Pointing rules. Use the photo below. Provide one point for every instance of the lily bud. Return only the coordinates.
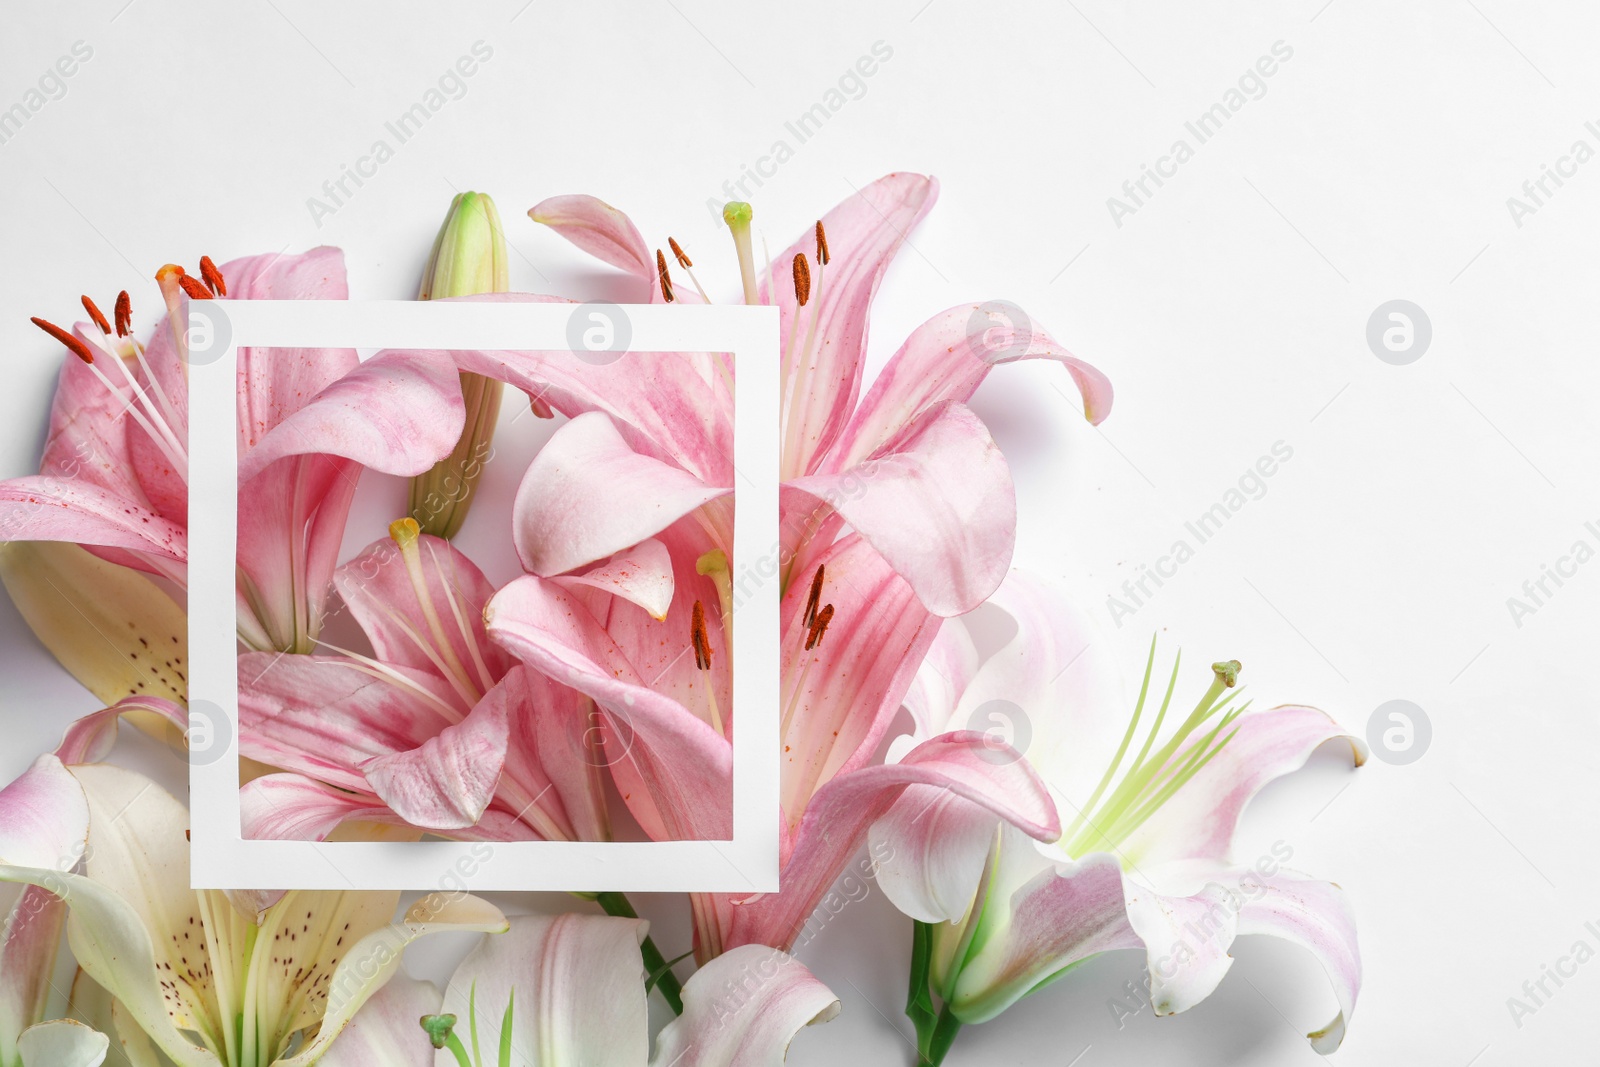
(468, 258)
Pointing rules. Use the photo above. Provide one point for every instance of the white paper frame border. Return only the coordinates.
(222, 859)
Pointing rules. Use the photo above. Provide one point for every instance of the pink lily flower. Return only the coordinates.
(438, 730)
(1146, 862)
(570, 989)
(897, 509)
(44, 824)
(114, 476)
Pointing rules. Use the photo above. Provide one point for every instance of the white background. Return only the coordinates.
(1230, 310)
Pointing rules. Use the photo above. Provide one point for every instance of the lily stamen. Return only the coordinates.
(1153, 779)
(666, 279)
(822, 244)
(813, 598)
(124, 314)
(802, 279)
(406, 534)
(702, 659)
(688, 267)
(94, 313)
(819, 627)
(213, 276)
(149, 419)
(195, 288)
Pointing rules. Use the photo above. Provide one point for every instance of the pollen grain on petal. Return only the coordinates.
(77, 347)
(94, 313)
(802, 279)
(822, 244)
(213, 276)
(666, 279)
(677, 250)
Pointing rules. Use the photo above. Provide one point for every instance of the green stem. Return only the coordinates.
(654, 961)
(932, 1052)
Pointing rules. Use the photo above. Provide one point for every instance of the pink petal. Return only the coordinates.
(1060, 917)
(394, 413)
(1316, 916)
(933, 845)
(277, 382)
(1198, 821)
(292, 517)
(90, 738)
(674, 406)
(838, 817)
(951, 662)
(659, 649)
(641, 574)
(599, 229)
(778, 997)
(673, 770)
(326, 716)
(377, 589)
(293, 807)
(574, 984)
(89, 427)
(446, 782)
(44, 823)
(937, 502)
(947, 358)
(1053, 690)
(864, 233)
(841, 696)
(587, 495)
(552, 775)
(39, 508)
(44, 817)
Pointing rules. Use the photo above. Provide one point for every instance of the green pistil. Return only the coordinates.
(1153, 778)
(737, 215)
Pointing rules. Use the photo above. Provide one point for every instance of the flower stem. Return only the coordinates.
(936, 1031)
(937, 1047)
(654, 962)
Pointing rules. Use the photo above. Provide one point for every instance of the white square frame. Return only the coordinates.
(221, 858)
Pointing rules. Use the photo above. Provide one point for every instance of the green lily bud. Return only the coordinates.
(468, 258)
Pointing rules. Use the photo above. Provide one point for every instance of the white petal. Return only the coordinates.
(575, 985)
(62, 1043)
(387, 1030)
(742, 1009)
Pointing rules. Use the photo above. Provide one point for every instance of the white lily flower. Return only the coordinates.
(570, 989)
(1144, 861)
(186, 971)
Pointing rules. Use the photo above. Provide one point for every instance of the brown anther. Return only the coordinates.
(94, 313)
(802, 279)
(213, 276)
(540, 407)
(666, 280)
(195, 289)
(819, 626)
(822, 244)
(702, 644)
(124, 314)
(683, 258)
(78, 348)
(813, 598)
